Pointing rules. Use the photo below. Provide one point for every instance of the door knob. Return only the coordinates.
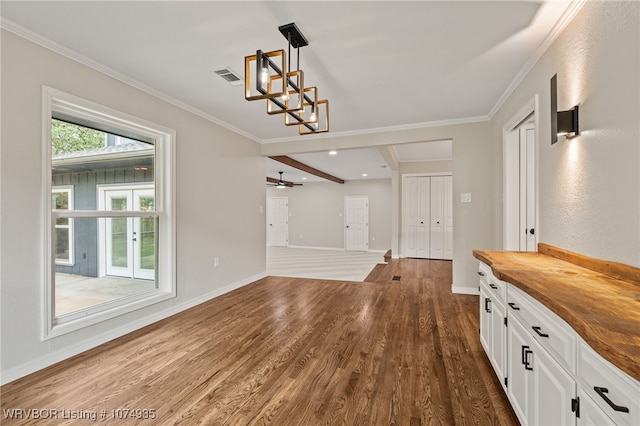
(532, 231)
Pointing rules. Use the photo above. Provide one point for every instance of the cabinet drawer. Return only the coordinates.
(496, 287)
(546, 327)
(614, 392)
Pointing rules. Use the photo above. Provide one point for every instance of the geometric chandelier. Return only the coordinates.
(283, 88)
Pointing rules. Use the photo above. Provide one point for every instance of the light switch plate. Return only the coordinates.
(465, 197)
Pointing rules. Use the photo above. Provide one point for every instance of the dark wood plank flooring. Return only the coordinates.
(290, 351)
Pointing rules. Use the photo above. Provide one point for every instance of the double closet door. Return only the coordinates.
(427, 217)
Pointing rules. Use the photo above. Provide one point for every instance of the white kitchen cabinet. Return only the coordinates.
(617, 396)
(540, 390)
(518, 388)
(493, 330)
(590, 413)
(553, 376)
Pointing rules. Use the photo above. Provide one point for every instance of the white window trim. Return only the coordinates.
(68, 189)
(55, 100)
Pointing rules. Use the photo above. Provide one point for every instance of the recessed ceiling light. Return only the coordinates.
(364, 175)
(333, 152)
(304, 178)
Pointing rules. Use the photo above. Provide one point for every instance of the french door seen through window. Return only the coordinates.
(129, 243)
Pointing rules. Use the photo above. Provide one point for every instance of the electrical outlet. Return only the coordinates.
(216, 262)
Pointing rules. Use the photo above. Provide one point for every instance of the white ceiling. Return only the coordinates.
(381, 64)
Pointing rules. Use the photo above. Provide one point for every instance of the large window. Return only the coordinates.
(109, 240)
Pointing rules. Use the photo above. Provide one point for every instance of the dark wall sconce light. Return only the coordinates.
(562, 122)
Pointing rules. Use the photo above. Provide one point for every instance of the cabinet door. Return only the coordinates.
(518, 351)
(498, 339)
(553, 390)
(485, 320)
(590, 413)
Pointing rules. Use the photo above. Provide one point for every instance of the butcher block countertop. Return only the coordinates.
(600, 300)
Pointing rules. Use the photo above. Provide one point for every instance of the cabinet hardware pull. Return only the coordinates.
(527, 366)
(493, 286)
(525, 357)
(537, 330)
(601, 391)
(513, 306)
(575, 406)
(481, 273)
(486, 305)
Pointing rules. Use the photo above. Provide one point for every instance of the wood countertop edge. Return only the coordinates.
(619, 358)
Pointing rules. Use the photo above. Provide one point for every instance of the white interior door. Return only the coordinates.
(410, 217)
(519, 189)
(448, 217)
(278, 221)
(129, 243)
(416, 200)
(356, 223)
(437, 218)
(527, 133)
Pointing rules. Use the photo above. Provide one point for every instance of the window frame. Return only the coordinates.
(69, 190)
(56, 101)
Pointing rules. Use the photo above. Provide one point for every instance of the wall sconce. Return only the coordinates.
(562, 122)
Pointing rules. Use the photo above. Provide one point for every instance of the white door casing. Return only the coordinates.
(356, 216)
(278, 221)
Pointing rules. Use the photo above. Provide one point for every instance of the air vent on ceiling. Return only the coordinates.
(229, 75)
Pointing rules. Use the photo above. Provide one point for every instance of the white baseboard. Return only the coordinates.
(317, 248)
(333, 248)
(465, 290)
(62, 354)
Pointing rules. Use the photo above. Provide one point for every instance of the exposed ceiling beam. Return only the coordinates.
(301, 166)
(276, 181)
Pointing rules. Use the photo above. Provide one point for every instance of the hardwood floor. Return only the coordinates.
(290, 351)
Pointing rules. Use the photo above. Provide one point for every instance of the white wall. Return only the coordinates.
(316, 212)
(212, 219)
(440, 166)
(589, 186)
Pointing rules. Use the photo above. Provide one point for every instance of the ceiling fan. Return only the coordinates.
(281, 183)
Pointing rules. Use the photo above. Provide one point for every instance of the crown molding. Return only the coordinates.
(566, 18)
(51, 45)
(424, 125)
